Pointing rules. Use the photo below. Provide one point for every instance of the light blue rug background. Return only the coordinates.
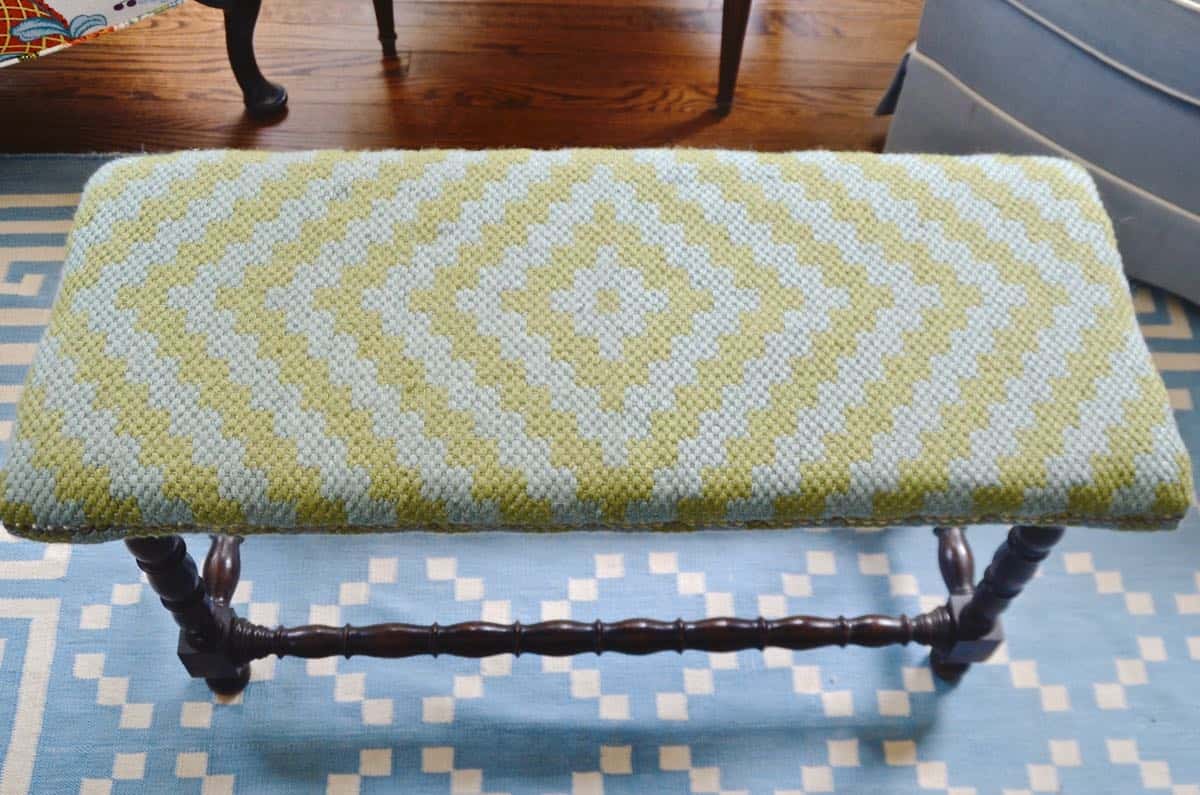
(1096, 691)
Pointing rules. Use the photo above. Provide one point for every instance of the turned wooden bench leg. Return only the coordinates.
(204, 617)
(217, 645)
(222, 569)
(976, 611)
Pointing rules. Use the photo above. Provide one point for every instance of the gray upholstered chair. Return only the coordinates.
(1114, 84)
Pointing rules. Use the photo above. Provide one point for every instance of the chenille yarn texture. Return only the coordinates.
(343, 341)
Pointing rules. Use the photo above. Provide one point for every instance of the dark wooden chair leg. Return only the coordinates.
(976, 613)
(735, 17)
(385, 20)
(204, 623)
(262, 97)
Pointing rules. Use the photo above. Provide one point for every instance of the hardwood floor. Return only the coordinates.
(472, 73)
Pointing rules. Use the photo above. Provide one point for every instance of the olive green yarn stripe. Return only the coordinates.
(107, 185)
(1108, 333)
(504, 486)
(54, 451)
(1170, 495)
(97, 256)
(268, 450)
(612, 381)
(838, 343)
(929, 472)
(1119, 325)
(1051, 417)
(853, 443)
(1126, 443)
(1085, 198)
(63, 456)
(735, 350)
(276, 456)
(33, 421)
(492, 483)
(734, 480)
(129, 401)
(17, 515)
(719, 481)
(297, 367)
(172, 454)
(91, 485)
(1053, 176)
(960, 419)
(189, 349)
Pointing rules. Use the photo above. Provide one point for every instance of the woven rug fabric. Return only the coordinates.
(398, 340)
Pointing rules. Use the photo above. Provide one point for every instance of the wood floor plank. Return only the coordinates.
(473, 73)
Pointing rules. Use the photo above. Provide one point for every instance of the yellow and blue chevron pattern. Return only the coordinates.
(334, 341)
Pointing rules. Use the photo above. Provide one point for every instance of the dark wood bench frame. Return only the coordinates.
(218, 645)
(264, 98)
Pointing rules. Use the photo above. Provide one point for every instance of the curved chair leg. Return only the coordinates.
(262, 97)
(385, 20)
(735, 17)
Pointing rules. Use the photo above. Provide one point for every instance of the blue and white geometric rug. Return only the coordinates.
(1096, 691)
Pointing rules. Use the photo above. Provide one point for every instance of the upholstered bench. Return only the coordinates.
(337, 342)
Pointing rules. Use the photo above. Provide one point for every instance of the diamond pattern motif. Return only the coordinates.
(755, 732)
(333, 341)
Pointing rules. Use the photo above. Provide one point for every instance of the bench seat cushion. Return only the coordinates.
(335, 341)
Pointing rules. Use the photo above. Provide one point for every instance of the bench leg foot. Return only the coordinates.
(946, 671)
(231, 686)
(261, 96)
(976, 611)
(204, 620)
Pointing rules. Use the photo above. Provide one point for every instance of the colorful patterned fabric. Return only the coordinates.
(30, 28)
(393, 340)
